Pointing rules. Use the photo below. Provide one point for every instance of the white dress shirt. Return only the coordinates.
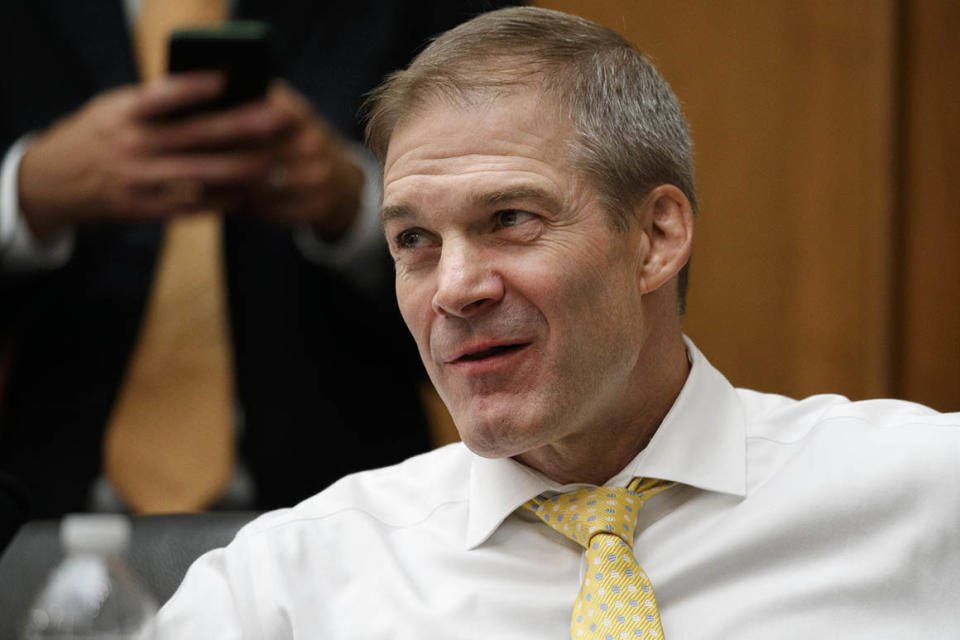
(820, 518)
(19, 248)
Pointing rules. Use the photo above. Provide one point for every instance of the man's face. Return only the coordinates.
(524, 303)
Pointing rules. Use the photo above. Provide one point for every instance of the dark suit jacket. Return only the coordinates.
(13, 510)
(325, 373)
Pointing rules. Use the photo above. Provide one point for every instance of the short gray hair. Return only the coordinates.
(630, 135)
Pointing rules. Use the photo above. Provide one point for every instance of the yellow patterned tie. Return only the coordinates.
(616, 598)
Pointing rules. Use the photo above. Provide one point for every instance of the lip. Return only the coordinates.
(502, 353)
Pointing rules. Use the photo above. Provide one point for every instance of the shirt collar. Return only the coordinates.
(701, 442)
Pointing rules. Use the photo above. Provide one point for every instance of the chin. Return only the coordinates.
(497, 436)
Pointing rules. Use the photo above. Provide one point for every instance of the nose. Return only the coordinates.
(466, 283)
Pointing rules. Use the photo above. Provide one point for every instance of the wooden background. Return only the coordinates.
(828, 159)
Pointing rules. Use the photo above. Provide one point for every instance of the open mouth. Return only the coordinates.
(489, 353)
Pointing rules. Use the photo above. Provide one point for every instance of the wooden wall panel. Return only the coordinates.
(929, 345)
(792, 110)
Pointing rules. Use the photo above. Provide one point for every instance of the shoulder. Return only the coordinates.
(299, 562)
(781, 418)
(880, 444)
(397, 496)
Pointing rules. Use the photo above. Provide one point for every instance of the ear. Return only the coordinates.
(667, 219)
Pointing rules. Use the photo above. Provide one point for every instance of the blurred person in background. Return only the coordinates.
(325, 377)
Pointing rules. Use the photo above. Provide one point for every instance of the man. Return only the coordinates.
(539, 206)
(313, 329)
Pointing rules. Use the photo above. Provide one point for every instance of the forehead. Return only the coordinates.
(519, 130)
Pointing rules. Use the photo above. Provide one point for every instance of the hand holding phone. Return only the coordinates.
(125, 153)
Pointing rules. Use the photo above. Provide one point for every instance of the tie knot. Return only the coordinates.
(581, 514)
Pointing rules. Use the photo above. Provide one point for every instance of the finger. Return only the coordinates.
(157, 201)
(209, 169)
(289, 100)
(302, 195)
(255, 123)
(294, 181)
(172, 93)
(185, 197)
(308, 137)
(331, 174)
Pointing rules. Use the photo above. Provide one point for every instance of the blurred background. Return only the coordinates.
(827, 141)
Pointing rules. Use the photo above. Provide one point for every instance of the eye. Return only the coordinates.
(512, 218)
(411, 239)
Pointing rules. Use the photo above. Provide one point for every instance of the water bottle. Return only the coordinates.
(92, 594)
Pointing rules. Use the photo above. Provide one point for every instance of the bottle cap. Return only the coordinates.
(95, 533)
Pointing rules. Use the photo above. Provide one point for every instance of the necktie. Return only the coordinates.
(169, 443)
(616, 598)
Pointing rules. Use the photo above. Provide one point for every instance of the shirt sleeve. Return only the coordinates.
(213, 601)
(20, 250)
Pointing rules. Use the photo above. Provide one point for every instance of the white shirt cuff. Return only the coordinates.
(361, 244)
(20, 250)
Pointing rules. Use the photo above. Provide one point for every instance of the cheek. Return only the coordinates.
(579, 288)
(415, 303)
(596, 307)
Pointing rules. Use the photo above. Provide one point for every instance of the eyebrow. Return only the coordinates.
(395, 211)
(495, 198)
(512, 194)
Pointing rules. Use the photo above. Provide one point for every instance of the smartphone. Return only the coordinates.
(241, 50)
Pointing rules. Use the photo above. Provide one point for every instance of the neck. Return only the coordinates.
(595, 454)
